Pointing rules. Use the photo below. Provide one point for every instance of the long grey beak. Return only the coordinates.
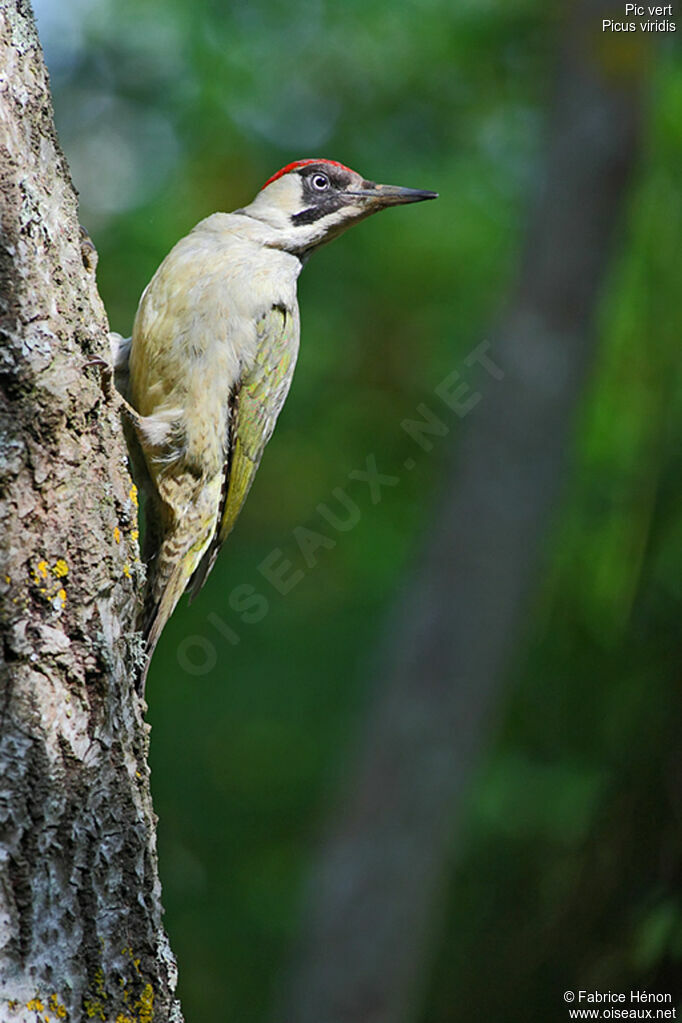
(393, 195)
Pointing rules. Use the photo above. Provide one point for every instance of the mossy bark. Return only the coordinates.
(80, 910)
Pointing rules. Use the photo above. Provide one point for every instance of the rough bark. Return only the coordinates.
(373, 902)
(80, 913)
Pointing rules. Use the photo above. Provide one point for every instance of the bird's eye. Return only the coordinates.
(320, 182)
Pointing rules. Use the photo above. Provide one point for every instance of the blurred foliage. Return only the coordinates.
(570, 873)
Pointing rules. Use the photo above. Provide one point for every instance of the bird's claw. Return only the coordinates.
(97, 360)
(106, 374)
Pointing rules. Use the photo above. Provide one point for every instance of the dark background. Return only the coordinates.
(567, 864)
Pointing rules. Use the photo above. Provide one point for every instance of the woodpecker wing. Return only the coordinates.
(256, 402)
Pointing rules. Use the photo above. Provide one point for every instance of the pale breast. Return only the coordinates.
(196, 335)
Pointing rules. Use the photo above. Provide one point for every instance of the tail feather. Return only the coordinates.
(172, 566)
(159, 606)
(163, 591)
(202, 571)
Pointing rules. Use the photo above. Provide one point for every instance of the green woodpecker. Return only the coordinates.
(210, 362)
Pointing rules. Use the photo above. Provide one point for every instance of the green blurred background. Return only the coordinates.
(570, 863)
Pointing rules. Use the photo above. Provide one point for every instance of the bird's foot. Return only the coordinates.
(111, 393)
(106, 372)
(88, 251)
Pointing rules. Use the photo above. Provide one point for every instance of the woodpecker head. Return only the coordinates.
(309, 202)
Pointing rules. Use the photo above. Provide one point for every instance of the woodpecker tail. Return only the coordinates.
(161, 597)
(172, 561)
(167, 577)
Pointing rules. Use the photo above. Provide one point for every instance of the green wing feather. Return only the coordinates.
(257, 402)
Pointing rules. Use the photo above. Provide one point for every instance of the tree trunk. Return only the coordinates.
(80, 912)
(373, 904)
